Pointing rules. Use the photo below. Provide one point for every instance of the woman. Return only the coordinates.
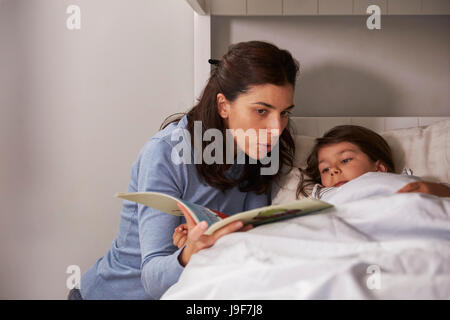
(251, 87)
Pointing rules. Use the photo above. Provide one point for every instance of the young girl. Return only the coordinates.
(347, 152)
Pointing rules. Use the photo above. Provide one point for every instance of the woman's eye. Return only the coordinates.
(286, 114)
(346, 160)
(261, 111)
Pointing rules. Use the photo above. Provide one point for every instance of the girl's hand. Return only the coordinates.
(436, 189)
(196, 240)
(180, 235)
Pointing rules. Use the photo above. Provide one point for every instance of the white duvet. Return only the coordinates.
(373, 244)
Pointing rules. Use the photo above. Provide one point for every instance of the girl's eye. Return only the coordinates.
(325, 170)
(346, 160)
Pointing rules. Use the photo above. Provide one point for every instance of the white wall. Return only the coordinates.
(75, 109)
(348, 70)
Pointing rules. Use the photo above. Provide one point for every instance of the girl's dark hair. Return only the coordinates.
(246, 64)
(369, 142)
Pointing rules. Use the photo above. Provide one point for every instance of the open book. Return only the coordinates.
(216, 219)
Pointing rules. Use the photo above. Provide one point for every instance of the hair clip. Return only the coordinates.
(213, 61)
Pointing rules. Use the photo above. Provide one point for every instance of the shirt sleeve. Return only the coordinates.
(160, 267)
(315, 193)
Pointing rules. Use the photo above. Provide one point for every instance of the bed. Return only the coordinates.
(372, 244)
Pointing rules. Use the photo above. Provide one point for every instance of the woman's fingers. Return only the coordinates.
(246, 228)
(176, 237)
(181, 241)
(196, 240)
(182, 228)
(229, 228)
(196, 232)
(179, 235)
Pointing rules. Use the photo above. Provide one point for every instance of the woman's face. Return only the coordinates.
(266, 107)
(344, 161)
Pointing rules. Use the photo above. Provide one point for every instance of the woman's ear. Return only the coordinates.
(380, 166)
(223, 107)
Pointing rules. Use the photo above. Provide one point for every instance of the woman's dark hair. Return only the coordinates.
(369, 142)
(246, 64)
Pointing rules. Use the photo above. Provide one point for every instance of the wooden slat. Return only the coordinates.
(300, 7)
(317, 126)
(264, 7)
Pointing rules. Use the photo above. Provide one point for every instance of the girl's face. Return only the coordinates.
(344, 161)
(265, 106)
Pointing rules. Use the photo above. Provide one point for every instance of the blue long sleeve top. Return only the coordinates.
(142, 262)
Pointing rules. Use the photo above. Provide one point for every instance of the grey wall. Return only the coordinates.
(348, 70)
(75, 109)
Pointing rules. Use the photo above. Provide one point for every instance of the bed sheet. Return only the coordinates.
(373, 244)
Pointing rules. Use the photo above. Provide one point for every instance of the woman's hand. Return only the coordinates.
(196, 240)
(436, 189)
(180, 235)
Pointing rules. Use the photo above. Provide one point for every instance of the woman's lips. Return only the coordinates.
(340, 183)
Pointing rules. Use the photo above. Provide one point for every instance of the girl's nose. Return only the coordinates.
(335, 171)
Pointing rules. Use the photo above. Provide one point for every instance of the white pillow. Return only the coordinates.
(284, 191)
(426, 150)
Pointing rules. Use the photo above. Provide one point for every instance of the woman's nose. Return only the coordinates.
(275, 124)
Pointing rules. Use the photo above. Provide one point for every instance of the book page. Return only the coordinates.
(168, 204)
(155, 200)
(273, 213)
